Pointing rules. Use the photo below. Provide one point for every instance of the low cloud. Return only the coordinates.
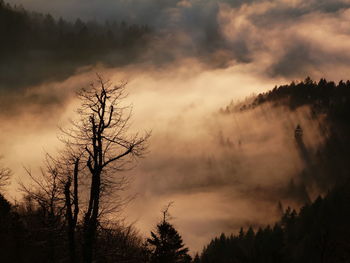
(276, 40)
(222, 171)
(235, 167)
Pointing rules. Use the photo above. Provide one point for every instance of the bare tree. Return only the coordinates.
(45, 192)
(80, 183)
(101, 135)
(71, 201)
(51, 190)
(5, 175)
(45, 189)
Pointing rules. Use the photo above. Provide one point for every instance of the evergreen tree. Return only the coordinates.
(5, 206)
(196, 259)
(167, 245)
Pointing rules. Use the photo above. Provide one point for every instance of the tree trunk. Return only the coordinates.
(72, 219)
(89, 234)
(91, 218)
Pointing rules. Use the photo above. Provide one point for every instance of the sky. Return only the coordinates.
(288, 38)
(221, 171)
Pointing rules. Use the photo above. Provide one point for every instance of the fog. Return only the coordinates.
(222, 171)
(279, 38)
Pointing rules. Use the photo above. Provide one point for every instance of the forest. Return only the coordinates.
(318, 232)
(59, 47)
(67, 210)
(46, 226)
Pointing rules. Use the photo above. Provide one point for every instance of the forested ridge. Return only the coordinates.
(324, 97)
(34, 229)
(52, 224)
(319, 231)
(271, 172)
(42, 47)
(329, 104)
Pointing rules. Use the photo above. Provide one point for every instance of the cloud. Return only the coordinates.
(277, 38)
(240, 164)
(171, 102)
(255, 24)
(222, 171)
(291, 40)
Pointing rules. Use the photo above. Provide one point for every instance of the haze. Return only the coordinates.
(206, 54)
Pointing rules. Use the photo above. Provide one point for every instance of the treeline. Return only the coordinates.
(30, 232)
(68, 209)
(329, 104)
(323, 96)
(320, 232)
(24, 31)
(40, 46)
(53, 222)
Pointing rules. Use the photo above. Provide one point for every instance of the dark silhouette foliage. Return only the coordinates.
(329, 104)
(27, 235)
(35, 229)
(318, 233)
(327, 100)
(11, 239)
(44, 48)
(324, 97)
(167, 245)
(196, 259)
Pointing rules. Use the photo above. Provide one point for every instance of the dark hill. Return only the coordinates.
(36, 47)
(320, 231)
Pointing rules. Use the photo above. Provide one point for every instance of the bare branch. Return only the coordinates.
(101, 135)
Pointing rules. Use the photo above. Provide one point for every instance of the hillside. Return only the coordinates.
(329, 104)
(319, 232)
(41, 47)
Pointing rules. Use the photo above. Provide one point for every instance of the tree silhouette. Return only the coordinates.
(167, 245)
(81, 184)
(100, 137)
(5, 175)
(319, 232)
(196, 259)
(43, 47)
